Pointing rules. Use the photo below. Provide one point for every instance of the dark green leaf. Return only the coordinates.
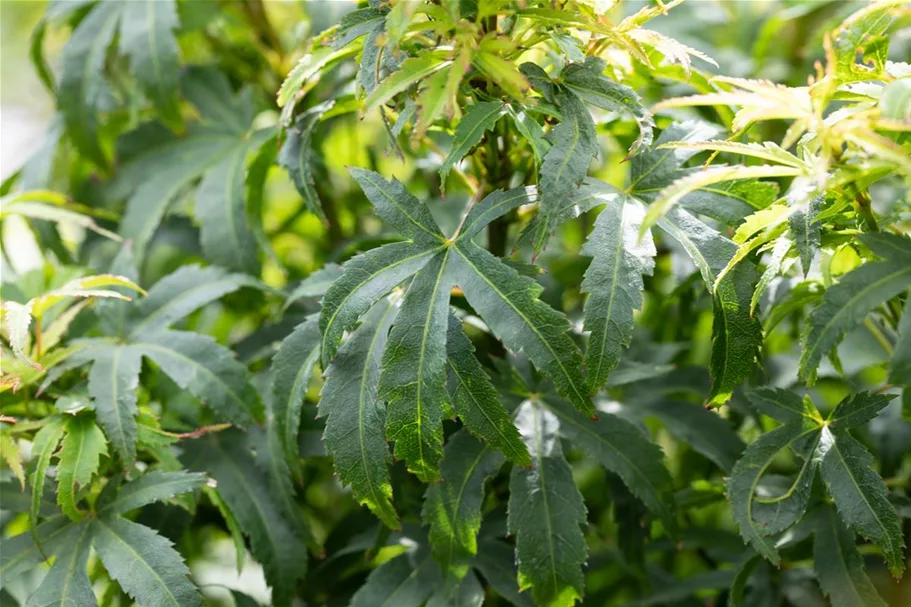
(144, 563)
(839, 566)
(545, 514)
(614, 285)
(82, 80)
(592, 86)
(494, 205)
(736, 333)
(509, 305)
(67, 582)
(857, 409)
(565, 165)
(746, 476)
(151, 487)
(182, 292)
(413, 381)
(147, 37)
(622, 448)
(292, 369)
(80, 458)
(405, 581)
(355, 419)
(365, 279)
(207, 370)
(296, 156)
(452, 508)
(225, 233)
(860, 494)
(247, 493)
(398, 207)
(857, 293)
(478, 119)
(476, 401)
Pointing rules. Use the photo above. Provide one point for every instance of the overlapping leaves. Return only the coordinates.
(822, 445)
(414, 362)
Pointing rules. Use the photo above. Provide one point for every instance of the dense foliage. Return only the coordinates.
(571, 315)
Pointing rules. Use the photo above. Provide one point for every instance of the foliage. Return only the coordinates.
(574, 318)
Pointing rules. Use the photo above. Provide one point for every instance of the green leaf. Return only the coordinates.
(144, 563)
(573, 145)
(225, 233)
(20, 553)
(356, 24)
(783, 405)
(494, 205)
(394, 204)
(502, 72)
(82, 79)
(469, 593)
(292, 369)
(207, 370)
(900, 365)
(316, 284)
(151, 487)
(147, 37)
(113, 381)
(859, 292)
(296, 155)
(411, 71)
(355, 419)
(365, 279)
(370, 66)
(413, 380)
(592, 86)
(806, 231)
(476, 401)
(860, 494)
(452, 508)
(273, 541)
(736, 334)
(857, 409)
(176, 166)
(509, 305)
(622, 448)
(747, 475)
(674, 193)
(614, 285)
(496, 562)
(44, 445)
(478, 119)
(221, 108)
(859, 34)
(405, 581)
(839, 566)
(271, 459)
(531, 131)
(67, 582)
(80, 458)
(182, 292)
(545, 514)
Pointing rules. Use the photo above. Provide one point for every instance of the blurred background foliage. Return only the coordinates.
(775, 39)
